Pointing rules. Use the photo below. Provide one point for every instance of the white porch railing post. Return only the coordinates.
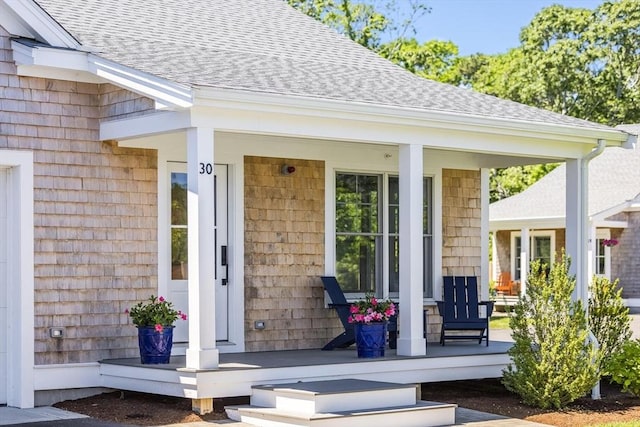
(411, 341)
(201, 352)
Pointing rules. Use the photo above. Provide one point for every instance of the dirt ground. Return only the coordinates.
(482, 395)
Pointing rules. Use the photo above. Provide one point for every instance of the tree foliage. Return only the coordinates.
(608, 317)
(553, 362)
(574, 61)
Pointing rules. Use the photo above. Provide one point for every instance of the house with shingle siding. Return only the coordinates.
(117, 116)
(613, 221)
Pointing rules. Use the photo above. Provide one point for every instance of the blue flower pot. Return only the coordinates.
(155, 347)
(370, 339)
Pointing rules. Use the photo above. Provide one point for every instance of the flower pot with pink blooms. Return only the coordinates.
(155, 320)
(369, 318)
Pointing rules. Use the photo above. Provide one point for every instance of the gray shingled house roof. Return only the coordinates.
(614, 178)
(268, 47)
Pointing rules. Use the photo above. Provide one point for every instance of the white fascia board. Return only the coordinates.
(160, 122)
(264, 102)
(601, 216)
(68, 64)
(530, 223)
(610, 224)
(165, 92)
(25, 18)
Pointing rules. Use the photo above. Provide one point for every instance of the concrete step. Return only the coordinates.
(338, 403)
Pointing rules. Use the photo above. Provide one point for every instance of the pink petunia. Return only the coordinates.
(159, 327)
(183, 316)
(126, 311)
(161, 299)
(353, 309)
(374, 301)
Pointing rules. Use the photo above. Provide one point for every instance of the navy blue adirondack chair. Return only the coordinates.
(460, 310)
(340, 304)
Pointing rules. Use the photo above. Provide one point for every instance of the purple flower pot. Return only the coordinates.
(370, 339)
(155, 347)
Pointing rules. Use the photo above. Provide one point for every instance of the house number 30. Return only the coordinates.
(206, 168)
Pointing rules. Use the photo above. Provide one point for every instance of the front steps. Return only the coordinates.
(340, 403)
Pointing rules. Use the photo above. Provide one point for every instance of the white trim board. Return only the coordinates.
(20, 311)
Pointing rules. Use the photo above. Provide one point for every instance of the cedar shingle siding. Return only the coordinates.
(284, 256)
(95, 212)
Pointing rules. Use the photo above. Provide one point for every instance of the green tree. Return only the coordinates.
(366, 22)
(510, 181)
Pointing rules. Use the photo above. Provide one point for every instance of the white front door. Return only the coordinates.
(4, 319)
(178, 276)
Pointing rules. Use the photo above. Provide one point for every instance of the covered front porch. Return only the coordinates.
(238, 372)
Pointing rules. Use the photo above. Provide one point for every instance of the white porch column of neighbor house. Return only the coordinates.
(201, 352)
(484, 232)
(411, 341)
(525, 256)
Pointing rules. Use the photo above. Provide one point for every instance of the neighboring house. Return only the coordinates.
(613, 221)
(117, 114)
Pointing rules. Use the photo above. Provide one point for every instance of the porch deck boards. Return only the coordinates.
(316, 357)
(239, 372)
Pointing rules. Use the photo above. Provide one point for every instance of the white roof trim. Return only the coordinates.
(27, 19)
(227, 98)
(67, 64)
(530, 223)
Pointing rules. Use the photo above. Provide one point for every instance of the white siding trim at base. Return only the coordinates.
(67, 376)
(632, 302)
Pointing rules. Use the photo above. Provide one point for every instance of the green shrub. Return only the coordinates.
(608, 318)
(624, 367)
(553, 362)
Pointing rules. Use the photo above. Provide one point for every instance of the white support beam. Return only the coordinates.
(202, 352)
(525, 257)
(411, 341)
(576, 234)
(484, 234)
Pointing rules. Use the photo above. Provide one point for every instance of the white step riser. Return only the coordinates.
(353, 401)
(415, 418)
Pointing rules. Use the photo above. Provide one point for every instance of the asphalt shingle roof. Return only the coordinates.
(614, 178)
(265, 46)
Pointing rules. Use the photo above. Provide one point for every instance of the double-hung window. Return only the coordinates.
(602, 254)
(367, 233)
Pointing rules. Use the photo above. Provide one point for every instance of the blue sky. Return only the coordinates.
(485, 26)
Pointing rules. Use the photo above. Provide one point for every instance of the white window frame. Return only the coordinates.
(532, 234)
(384, 223)
(602, 234)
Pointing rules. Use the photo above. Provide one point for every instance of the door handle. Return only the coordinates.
(224, 262)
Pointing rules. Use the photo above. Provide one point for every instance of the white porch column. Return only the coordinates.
(484, 235)
(202, 352)
(525, 256)
(411, 341)
(591, 252)
(576, 234)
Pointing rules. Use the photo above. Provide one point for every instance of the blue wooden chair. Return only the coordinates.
(460, 310)
(340, 304)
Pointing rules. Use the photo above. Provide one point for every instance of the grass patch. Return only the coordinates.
(499, 322)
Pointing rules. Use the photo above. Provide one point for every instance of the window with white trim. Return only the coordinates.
(542, 246)
(367, 229)
(602, 254)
